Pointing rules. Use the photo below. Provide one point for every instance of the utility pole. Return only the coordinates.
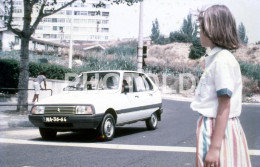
(71, 40)
(140, 40)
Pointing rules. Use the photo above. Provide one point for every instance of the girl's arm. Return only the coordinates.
(212, 156)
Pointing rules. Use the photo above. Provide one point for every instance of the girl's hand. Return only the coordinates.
(212, 157)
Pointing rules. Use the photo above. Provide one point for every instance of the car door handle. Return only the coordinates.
(137, 96)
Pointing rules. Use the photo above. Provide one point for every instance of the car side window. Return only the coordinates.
(139, 83)
(128, 80)
(147, 82)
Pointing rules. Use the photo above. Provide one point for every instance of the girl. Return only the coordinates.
(220, 138)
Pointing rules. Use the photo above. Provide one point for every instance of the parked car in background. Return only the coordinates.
(99, 100)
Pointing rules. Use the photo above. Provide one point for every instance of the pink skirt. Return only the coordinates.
(234, 150)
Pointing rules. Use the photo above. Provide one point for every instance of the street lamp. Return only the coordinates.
(140, 40)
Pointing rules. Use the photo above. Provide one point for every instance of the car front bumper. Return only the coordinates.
(73, 122)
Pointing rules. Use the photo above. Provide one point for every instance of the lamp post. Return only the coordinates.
(140, 40)
(71, 34)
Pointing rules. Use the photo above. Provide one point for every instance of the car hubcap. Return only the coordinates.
(154, 120)
(109, 128)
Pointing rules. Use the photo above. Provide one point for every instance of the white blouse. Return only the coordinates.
(222, 76)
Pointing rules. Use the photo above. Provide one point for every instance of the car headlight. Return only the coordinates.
(84, 110)
(38, 110)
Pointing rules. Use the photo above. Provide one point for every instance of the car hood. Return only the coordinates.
(77, 97)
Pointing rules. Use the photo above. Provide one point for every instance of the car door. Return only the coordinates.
(126, 100)
(140, 98)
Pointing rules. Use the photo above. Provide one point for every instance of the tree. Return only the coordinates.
(242, 33)
(189, 28)
(39, 6)
(155, 31)
(178, 37)
(196, 50)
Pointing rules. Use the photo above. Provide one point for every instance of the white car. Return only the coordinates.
(99, 100)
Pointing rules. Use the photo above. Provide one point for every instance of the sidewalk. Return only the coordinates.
(13, 119)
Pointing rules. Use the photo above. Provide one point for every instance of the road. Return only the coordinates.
(171, 145)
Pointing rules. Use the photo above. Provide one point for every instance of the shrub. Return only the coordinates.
(9, 69)
(123, 49)
(249, 87)
(251, 71)
(178, 37)
(196, 50)
(52, 71)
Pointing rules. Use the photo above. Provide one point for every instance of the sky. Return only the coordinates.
(124, 20)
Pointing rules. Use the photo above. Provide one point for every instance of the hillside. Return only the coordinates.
(176, 54)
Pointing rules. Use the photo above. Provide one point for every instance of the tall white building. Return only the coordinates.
(79, 20)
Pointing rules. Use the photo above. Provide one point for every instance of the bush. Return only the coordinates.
(196, 50)
(250, 71)
(52, 71)
(9, 69)
(123, 49)
(178, 37)
(249, 87)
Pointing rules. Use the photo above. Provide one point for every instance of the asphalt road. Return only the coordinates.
(171, 145)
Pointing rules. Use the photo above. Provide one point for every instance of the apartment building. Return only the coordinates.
(82, 21)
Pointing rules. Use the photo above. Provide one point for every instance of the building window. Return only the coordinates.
(61, 29)
(61, 20)
(104, 30)
(47, 11)
(76, 12)
(68, 12)
(105, 13)
(18, 3)
(91, 13)
(18, 11)
(53, 36)
(54, 20)
(47, 20)
(54, 28)
(39, 27)
(68, 20)
(46, 36)
(84, 13)
(105, 21)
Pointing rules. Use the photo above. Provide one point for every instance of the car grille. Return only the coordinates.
(59, 110)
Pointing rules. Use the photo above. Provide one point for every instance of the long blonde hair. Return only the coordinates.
(218, 24)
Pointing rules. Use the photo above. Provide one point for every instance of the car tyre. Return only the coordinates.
(47, 134)
(151, 123)
(107, 128)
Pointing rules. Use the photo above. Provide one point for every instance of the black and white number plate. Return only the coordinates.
(55, 119)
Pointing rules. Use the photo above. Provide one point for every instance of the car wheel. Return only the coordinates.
(48, 134)
(151, 123)
(107, 127)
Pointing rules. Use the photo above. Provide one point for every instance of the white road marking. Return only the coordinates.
(111, 146)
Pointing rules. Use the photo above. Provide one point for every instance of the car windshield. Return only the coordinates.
(94, 81)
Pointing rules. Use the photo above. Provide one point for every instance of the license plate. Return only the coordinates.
(55, 119)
